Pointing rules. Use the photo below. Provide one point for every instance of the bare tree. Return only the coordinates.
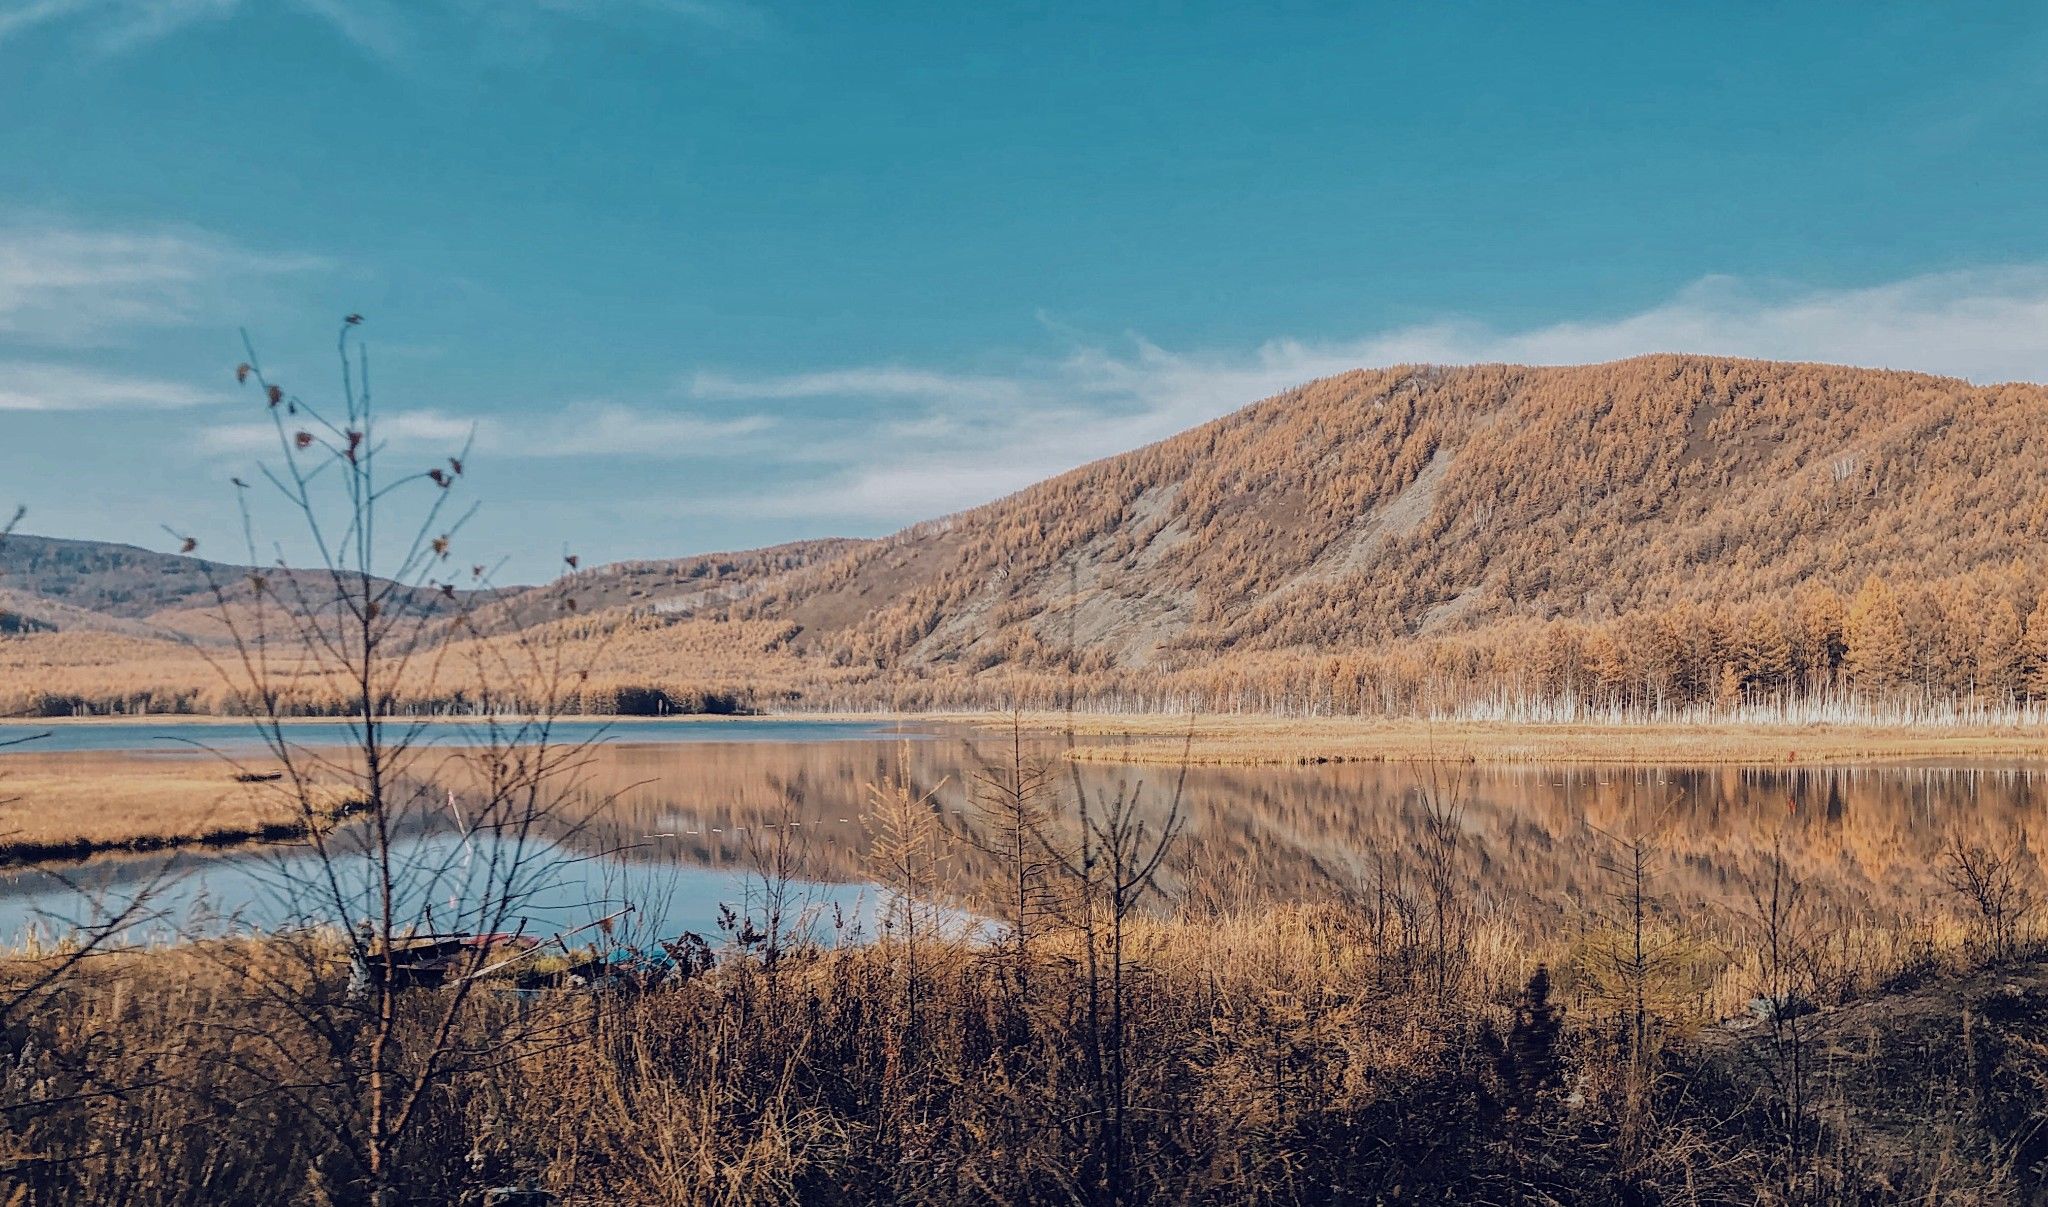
(1638, 960)
(781, 914)
(1110, 866)
(907, 855)
(908, 858)
(1785, 946)
(1998, 882)
(430, 847)
(1013, 803)
(1396, 919)
(1441, 796)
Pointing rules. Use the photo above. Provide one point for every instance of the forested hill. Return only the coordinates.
(119, 581)
(1377, 507)
(50, 583)
(1660, 531)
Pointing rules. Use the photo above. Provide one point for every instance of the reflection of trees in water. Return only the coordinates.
(1862, 838)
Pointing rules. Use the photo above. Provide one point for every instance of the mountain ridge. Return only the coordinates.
(1398, 481)
(1378, 511)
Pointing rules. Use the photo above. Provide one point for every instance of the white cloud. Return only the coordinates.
(412, 431)
(27, 14)
(380, 28)
(376, 28)
(52, 388)
(872, 382)
(426, 427)
(724, 14)
(112, 25)
(62, 284)
(932, 442)
(578, 430)
(1983, 325)
(615, 431)
(131, 24)
(896, 442)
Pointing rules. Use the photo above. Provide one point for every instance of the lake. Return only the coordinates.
(678, 818)
(175, 735)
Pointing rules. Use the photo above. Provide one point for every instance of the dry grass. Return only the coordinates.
(1251, 740)
(1363, 1050)
(1278, 1055)
(636, 664)
(71, 805)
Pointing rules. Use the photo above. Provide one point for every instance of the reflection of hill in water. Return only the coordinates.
(1860, 837)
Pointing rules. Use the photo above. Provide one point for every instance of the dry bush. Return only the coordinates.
(1230, 1049)
(1997, 878)
(1267, 1061)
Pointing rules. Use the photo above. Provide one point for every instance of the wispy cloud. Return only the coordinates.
(578, 430)
(380, 28)
(721, 14)
(434, 432)
(867, 446)
(62, 284)
(629, 432)
(1984, 325)
(929, 442)
(872, 382)
(111, 26)
(377, 28)
(53, 388)
(27, 14)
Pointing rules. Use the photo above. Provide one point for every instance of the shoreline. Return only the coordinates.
(1251, 741)
(66, 806)
(211, 718)
(38, 853)
(1212, 739)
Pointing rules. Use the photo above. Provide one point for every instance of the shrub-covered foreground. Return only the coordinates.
(1292, 1055)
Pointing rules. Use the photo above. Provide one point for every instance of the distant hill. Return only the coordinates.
(121, 581)
(1655, 531)
(1381, 507)
(49, 583)
(676, 587)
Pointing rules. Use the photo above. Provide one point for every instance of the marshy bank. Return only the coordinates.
(1277, 1055)
(1253, 739)
(1285, 984)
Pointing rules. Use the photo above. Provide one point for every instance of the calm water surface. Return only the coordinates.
(173, 735)
(677, 819)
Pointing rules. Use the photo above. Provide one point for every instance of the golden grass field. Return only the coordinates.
(1261, 1052)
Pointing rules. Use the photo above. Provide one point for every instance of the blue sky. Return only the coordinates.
(709, 274)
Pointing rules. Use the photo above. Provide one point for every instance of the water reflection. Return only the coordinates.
(1535, 837)
(684, 826)
(242, 737)
(444, 883)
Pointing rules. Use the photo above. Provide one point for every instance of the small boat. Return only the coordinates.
(425, 961)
